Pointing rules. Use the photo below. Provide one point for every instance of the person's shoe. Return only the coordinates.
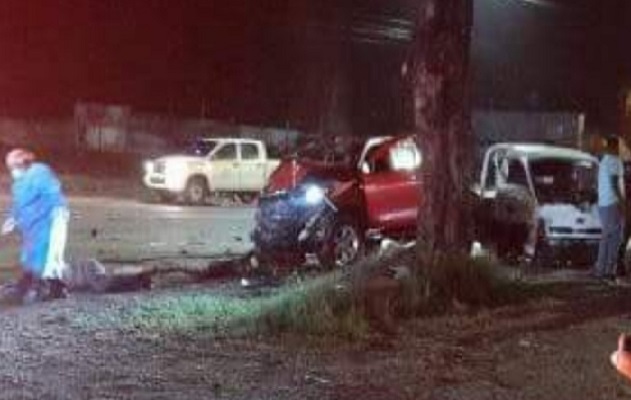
(622, 281)
(609, 280)
(60, 292)
(596, 276)
(31, 296)
(55, 289)
(604, 279)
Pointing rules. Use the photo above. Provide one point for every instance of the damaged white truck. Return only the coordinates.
(538, 204)
(219, 166)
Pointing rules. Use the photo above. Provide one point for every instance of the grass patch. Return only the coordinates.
(331, 305)
(315, 307)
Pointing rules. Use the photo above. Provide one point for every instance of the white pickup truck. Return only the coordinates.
(539, 200)
(211, 166)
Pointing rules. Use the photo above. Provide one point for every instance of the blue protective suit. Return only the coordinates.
(36, 195)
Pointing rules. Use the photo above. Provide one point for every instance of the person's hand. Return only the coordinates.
(8, 226)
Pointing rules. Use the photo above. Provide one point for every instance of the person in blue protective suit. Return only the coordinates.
(39, 211)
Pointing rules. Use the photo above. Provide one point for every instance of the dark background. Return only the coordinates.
(325, 65)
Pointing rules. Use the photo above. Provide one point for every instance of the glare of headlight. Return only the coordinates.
(314, 195)
(148, 166)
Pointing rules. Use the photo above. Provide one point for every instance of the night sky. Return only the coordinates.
(258, 61)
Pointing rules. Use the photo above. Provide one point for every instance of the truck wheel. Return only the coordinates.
(344, 244)
(196, 191)
(543, 257)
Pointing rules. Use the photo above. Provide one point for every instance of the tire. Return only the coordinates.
(344, 244)
(196, 191)
(510, 242)
(249, 199)
(544, 256)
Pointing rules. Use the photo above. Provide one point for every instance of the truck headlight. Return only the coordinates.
(148, 166)
(314, 195)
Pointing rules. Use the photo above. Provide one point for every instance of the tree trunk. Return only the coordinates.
(440, 87)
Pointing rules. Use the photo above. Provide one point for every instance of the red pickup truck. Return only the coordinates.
(327, 202)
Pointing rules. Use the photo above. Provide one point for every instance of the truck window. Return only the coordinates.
(201, 147)
(491, 176)
(517, 173)
(497, 170)
(226, 153)
(250, 151)
(377, 161)
(405, 157)
(398, 156)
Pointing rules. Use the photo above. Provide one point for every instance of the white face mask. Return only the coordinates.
(17, 173)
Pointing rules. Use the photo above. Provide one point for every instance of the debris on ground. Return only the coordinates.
(93, 277)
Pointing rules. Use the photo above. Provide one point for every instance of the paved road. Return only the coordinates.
(126, 230)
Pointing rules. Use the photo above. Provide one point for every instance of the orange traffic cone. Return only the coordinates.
(621, 359)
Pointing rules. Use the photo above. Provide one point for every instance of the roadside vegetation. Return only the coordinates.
(337, 304)
(314, 307)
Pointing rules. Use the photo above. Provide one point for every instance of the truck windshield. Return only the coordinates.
(201, 147)
(564, 181)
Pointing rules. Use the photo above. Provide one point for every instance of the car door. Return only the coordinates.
(252, 167)
(225, 168)
(390, 178)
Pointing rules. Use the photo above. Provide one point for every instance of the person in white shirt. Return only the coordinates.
(610, 208)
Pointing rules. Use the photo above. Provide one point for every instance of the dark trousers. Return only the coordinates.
(46, 289)
(26, 282)
(621, 270)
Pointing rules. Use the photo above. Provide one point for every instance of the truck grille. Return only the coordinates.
(558, 230)
(280, 219)
(159, 167)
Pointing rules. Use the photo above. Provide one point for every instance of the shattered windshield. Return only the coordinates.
(564, 181)
(330, 150)
(201, 147)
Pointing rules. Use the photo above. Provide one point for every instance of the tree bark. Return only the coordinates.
(439, 73)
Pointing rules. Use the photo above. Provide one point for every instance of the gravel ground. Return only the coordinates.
(554, 348)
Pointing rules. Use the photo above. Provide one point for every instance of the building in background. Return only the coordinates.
(101, 127)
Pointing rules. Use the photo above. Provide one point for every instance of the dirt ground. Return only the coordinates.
(554, 347)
